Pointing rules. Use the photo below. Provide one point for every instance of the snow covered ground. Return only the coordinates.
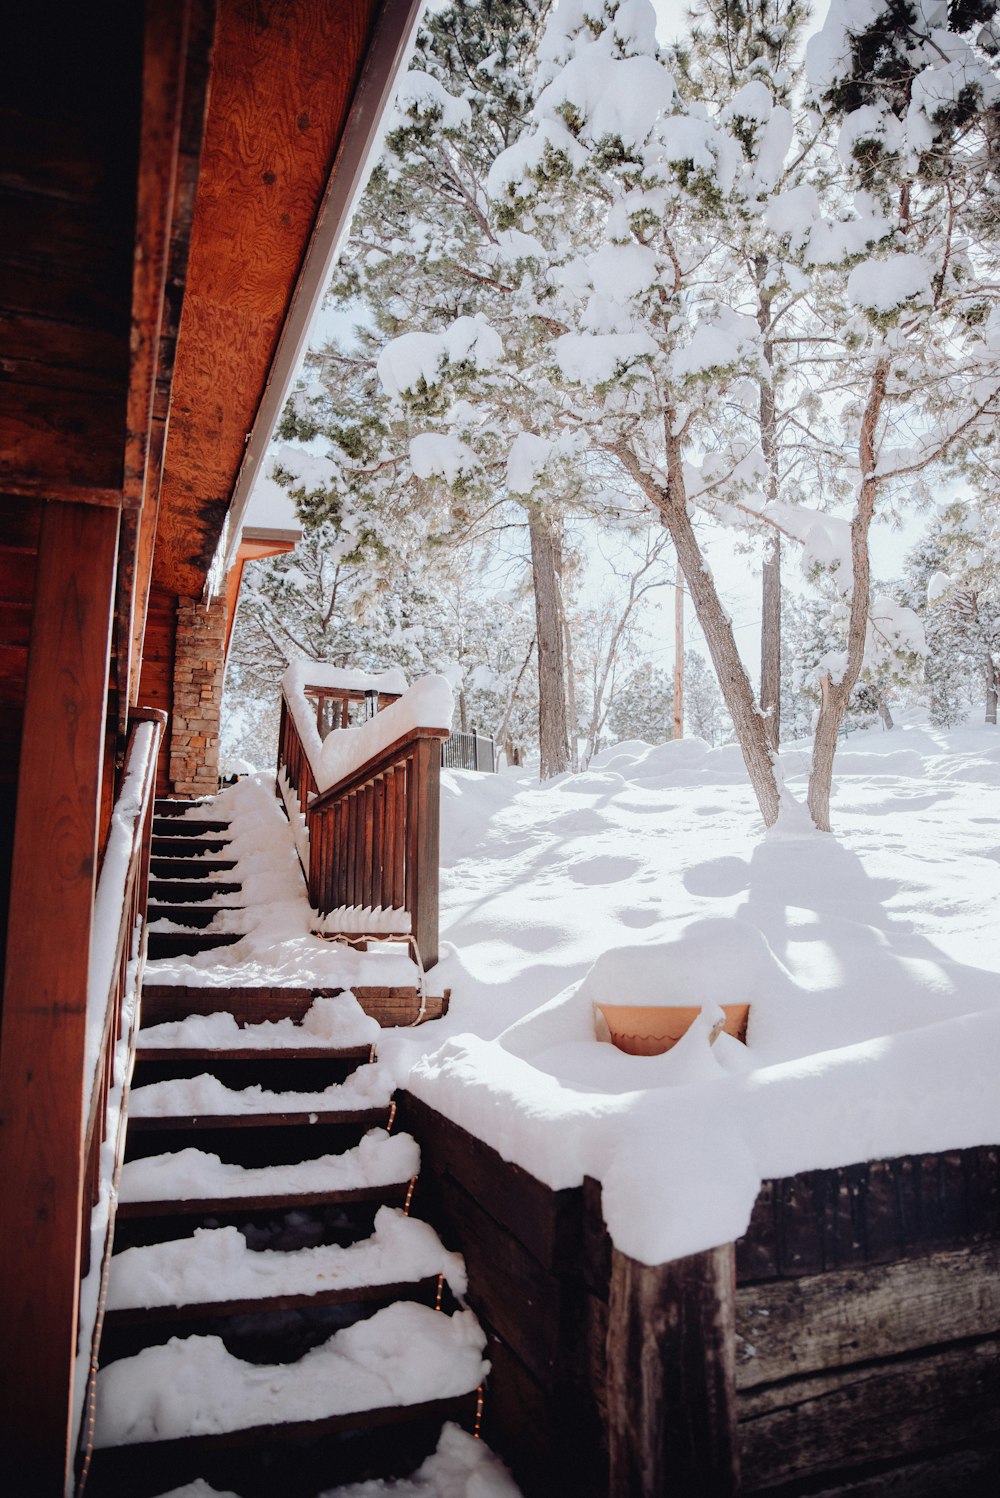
(871, 960)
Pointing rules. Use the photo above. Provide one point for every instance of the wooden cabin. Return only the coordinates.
(175, 176)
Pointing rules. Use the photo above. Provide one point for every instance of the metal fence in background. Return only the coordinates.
(469, 751)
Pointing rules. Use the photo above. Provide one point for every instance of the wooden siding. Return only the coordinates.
(68, 163)
(45, 996)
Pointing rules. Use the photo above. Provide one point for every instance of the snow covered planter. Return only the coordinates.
(651, 1029)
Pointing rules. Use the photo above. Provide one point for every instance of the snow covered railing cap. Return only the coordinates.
(317, 675)
(427, 706)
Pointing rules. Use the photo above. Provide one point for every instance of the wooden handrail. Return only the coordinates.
(374, 836)
(123, 888)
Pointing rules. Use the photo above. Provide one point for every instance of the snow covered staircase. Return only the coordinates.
(188, 887)
(276, 1321)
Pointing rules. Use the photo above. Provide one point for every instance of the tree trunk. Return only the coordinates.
(991, 690)
(770, 641)
(751, 729)
(500, 735)
(574, 746)
(883, 711)
(836, 695)
(679, 654)
(716, 625)
(553, 738)
(770, 624)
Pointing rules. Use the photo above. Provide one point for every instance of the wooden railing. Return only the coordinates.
(119, 939)
(374, 837)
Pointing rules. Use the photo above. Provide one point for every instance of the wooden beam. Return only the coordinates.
(671, 1377)
(196, 65)
(283, 79)
(394, 23)
(252, 548)
(45, 991)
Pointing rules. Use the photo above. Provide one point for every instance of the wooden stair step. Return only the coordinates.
(171, 806)
(252, 1053)
(187, 847)
(302, 1459)
(389, 1005)
(369, 1118)
(168, 867)
(397, 1357)
(425, 1290)
(192, 892)
(185, 915)
(174, 826)
(187, 943)
(392, 1195)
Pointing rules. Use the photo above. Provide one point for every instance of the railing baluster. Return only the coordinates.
(368, 846)
(352, 848)
(399, 847)
(373, 890)
(340, 857)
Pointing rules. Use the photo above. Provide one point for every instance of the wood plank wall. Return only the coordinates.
(868, 1329)
(67, 198)
(539, 1265)
(866, 1345)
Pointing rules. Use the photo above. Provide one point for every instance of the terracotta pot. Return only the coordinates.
(651, 1029)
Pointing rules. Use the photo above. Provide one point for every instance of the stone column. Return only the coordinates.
(199, 667)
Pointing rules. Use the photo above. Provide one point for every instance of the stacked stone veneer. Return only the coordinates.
(199, 667)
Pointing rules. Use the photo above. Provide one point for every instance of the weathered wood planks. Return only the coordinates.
(868, 1322)
(530, 1253)
(670, 1380)
(874, 1212)
(856, 1315)
(884, 1411)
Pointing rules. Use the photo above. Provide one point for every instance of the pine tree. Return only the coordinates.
(430, 274)
(643, 706)
(918, 112)
(954, 584)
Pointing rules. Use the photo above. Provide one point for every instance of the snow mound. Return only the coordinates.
(871, 961)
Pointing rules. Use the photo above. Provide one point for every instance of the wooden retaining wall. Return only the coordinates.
(539, 1265)
(868, 1330)
(849, 1343)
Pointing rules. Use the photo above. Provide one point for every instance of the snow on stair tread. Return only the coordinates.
(337, 1022)
(405, 1354)
(380, 1159)
(215, 1264)
(370, 1086)
(463, 1466)
(229, 920)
